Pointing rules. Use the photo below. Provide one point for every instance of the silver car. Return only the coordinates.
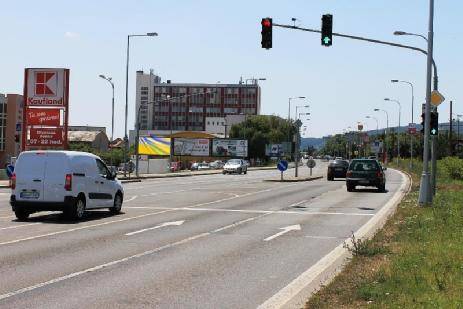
(237, 166)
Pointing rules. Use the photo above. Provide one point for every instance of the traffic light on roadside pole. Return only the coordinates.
(267, 26)
(434, 130)
(422, 122)
(327, 30)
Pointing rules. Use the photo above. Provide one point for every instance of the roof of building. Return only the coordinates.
(83, 136)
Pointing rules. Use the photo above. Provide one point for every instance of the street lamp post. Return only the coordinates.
(387, 129)
(289, 118)
(398, 128)
(126, 138)
(427, 189)
(377, 122)
(109, 79)
(411, 135)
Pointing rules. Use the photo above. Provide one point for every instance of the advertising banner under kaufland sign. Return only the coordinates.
(198, 147)
(45, 114)
(229, 148)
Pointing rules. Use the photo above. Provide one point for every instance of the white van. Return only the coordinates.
(67, 181)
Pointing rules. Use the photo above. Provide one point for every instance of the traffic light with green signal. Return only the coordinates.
(266, 32)
(327, 30)
(434, 130)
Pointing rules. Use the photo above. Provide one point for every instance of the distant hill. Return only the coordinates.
(312, 141)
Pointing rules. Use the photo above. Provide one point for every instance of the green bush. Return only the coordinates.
(452, 167)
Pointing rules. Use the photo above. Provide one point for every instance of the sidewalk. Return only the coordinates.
(185, 174)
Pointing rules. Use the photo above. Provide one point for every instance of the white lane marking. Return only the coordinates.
(324, 237)
(294, 288)
(251, 211)
(298, 203)
(9, 217)
(174, 223)
(17, 226)
(285, 230)
(131, 199)
(126, 259)
(81, 228)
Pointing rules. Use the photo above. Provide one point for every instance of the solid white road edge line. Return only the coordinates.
(17, 226)
(112, 263)
(293, 296)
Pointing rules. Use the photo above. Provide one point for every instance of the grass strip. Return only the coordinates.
(415, 261)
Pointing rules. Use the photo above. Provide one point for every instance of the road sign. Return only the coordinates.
(298, 123)
(311, 163)
(412, 128)
(360, 127)
(436, 98)
(282, 165)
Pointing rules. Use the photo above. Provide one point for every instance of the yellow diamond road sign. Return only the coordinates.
(436, 98)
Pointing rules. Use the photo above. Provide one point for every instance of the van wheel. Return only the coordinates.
(117, 205)
(245, 172)
(76, 211)
(22, 215)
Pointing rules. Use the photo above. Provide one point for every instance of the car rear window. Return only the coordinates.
(364, 166)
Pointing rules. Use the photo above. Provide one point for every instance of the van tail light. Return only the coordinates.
(13, 181)
(379, 174)
(349, 174)
(68, 182)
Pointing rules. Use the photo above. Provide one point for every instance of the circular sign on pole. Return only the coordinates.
(282, 165)
(311, 163)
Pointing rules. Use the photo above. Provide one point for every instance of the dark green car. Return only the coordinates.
(365, 172)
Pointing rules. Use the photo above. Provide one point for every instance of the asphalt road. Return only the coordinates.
(197, 242)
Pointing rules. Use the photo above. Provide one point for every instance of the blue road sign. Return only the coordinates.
(282, 165)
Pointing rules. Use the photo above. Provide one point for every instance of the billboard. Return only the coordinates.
(273, 150)
(198, 147)
(154, 146)
(43, 117)
(46, 103)
(229, 148)
(46, 137)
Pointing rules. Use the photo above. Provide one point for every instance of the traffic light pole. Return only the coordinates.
(425, 196)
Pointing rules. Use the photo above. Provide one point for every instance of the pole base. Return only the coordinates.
(425, 197)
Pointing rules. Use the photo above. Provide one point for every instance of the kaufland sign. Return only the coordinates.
(46, 109)
(46, 87)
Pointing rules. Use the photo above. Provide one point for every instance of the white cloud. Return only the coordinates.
(71, 35)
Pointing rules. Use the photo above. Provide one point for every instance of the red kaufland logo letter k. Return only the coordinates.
(45, 83)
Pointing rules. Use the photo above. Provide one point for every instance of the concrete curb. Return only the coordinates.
(294, 180)
(296, 293)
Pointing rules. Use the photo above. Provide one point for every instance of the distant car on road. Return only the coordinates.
(237, 166)
(366, 172)
(216, 164)
(194, 166)
(203, 166)
(67, 181)
(337, 169)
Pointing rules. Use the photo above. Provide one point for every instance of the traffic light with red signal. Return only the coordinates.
(267, 26)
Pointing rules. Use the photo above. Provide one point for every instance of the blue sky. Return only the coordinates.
(210, 41)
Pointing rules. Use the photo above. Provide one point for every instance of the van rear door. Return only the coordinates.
(30, 174)
(55, 175)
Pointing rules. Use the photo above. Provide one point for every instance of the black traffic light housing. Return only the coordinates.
(267, 26)
(434, 130)
(422, 122)
(327, 30)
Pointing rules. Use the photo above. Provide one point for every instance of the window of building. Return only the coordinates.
(230, 110)
(144, 88)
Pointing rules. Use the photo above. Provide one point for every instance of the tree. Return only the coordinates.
(261, 130)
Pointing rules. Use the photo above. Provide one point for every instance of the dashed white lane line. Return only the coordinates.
(255, 211)
(131, 199)
(18, 226)
(126, 259)
(82, 227)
